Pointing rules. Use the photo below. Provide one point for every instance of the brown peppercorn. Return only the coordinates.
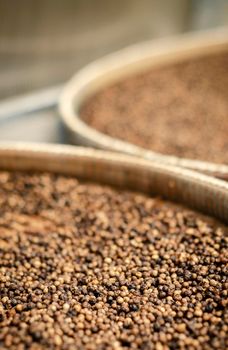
(146, 108)
(70, 278)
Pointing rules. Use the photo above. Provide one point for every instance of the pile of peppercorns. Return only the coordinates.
(173, 109)
(85, 266)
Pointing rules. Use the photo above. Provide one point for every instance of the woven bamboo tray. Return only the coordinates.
(197, 191)
(128, 62)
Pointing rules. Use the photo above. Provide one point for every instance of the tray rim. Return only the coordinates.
(197, 191)
(25, 104)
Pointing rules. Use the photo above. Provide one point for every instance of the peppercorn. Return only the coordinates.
(145, 109)
(145, 295)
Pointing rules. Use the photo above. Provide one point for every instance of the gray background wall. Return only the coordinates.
(43, 42)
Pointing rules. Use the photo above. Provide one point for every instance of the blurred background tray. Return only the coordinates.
(32, 117)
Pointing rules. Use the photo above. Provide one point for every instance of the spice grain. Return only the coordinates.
(85, 266)
(177, 109)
